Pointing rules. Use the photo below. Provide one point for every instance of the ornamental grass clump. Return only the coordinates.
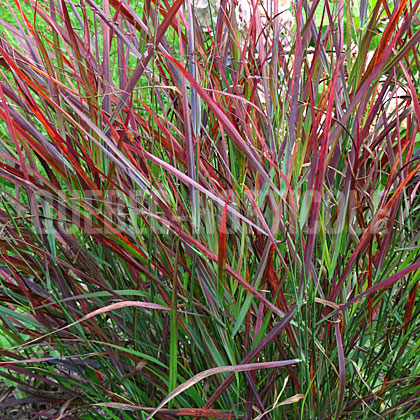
(209, 222)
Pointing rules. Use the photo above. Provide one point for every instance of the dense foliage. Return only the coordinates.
(219, 220)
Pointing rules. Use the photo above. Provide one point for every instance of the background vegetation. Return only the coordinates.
(218, 221)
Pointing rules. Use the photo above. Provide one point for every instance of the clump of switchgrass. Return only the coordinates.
(219, 219)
